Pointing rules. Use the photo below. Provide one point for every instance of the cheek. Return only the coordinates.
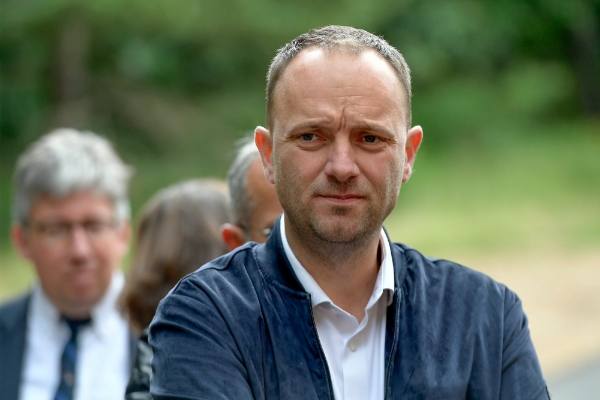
(110, 257)
(50, 271)
(49, 262)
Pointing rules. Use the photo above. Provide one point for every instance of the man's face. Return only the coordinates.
(340, 146)
(75, 247)
(264, 198)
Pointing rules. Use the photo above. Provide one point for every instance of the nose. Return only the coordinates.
(80, 243)
(341, 163)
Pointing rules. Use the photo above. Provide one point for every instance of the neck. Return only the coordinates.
(75, 313)
(345, 271)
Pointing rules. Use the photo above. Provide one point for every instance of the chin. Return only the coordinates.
(341, 233)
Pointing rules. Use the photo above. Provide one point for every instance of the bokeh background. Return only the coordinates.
(507, 180)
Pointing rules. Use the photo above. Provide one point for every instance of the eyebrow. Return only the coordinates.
(309, 125)
(373, 127)
(316, 124)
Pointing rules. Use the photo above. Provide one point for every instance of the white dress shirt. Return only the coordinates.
(103, 360)
(355, 352)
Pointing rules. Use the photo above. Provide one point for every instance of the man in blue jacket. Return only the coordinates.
(328, 308)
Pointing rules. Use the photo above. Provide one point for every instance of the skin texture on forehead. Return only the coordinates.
(309, 54)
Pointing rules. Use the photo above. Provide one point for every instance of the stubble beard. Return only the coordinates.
(340, 234)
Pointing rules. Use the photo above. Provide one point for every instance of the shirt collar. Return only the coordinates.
(383, 283)
(105, 315)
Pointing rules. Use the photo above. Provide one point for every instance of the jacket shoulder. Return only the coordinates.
(14, 310)
(227, 267)
(450, 277)
(215, 282)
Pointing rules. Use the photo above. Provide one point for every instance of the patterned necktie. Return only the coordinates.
(69, 360)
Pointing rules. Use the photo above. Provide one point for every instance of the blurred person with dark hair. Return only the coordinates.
(329, 308)
(253, 207)
(65, 339)
(179, 231)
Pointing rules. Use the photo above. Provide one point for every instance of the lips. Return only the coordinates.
(341, 198)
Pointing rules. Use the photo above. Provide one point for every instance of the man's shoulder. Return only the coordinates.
(226, 266)
(15, 305)
(222, 274)
(14, 310)
(443, 272)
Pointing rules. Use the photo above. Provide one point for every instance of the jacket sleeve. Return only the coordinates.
(195, 352)
(521, 372)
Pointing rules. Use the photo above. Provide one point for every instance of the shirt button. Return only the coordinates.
(352, 346)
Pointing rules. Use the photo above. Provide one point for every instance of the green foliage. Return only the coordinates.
(174, 83)
(536, 192)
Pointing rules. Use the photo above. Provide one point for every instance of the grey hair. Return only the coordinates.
(241, 204)
(338, 38)
(66, 161)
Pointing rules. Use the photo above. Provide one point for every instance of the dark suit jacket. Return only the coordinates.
(13, 326)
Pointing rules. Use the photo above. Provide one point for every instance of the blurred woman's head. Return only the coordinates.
(178, 231)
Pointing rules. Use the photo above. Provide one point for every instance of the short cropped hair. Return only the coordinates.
(178, 232)
(241, 204)
(66, 161)
(337, 38)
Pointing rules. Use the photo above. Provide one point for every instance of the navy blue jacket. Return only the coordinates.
(242, 327)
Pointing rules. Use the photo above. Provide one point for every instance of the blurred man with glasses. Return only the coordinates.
(65, 339)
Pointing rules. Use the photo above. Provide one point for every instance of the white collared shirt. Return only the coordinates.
(355, 352)
(103, 360)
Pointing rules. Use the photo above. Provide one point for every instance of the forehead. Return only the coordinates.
(74, 206)
(316, 73)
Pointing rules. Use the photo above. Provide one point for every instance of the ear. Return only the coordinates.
(20, 241)
(233, 236)
(262, 139)
(414, 137)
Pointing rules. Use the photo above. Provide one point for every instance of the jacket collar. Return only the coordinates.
(274, 263)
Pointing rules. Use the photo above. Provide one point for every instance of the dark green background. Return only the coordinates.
(175, 83)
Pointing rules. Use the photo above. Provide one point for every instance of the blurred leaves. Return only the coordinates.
(90, 63)
(182, 79)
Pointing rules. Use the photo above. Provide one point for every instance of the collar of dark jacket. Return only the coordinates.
(274, 263)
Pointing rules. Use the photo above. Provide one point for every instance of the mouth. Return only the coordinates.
(341, 199)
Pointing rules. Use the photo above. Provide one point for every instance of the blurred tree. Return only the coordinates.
(481, 65)
(182, 79)
(117, 66)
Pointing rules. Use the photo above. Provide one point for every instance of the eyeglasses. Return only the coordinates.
(262, 231)
(61, 232)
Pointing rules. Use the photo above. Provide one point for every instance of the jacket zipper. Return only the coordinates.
(388, 371)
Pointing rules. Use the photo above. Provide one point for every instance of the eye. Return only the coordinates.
(370, 138)
(57, 229)
(307, 137)
(93, 226)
